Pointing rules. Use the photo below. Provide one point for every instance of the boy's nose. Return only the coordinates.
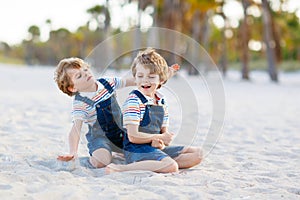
(146, 80)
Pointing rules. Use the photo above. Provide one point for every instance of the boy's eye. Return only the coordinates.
(152, 76)
(85, 70)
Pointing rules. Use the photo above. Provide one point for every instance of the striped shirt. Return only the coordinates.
(88, 114)
(134, 109)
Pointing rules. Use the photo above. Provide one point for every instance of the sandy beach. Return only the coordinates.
(257, 155)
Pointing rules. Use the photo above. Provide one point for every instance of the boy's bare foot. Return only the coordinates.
(65, 158)
(111, 168)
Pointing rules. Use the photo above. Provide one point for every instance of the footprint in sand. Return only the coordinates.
(294, 190)
(5, 187)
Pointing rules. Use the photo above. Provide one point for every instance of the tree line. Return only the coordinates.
(266, 31)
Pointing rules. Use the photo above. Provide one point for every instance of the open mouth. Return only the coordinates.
(146, 86)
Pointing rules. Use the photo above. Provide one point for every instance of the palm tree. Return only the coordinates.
(199, 13)
(34, 32)
(96, 12)
(102, 30)
(30, 48)
(245, 40)
(223, 56)
(269, 40)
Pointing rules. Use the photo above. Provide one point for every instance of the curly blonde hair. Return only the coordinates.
(61, 77)
(150, 59)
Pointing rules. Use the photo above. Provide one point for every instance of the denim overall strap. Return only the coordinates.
(151, 123)
(108, 118)
(106, 85)
(86, 100)
(140, 96)
(146, 119)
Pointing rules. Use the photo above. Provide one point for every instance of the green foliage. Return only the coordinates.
(11, 60)
(64, 43)
(290, 65)
(287, 65)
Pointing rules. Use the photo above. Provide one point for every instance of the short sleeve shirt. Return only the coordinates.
(85, 112)
(134, 109)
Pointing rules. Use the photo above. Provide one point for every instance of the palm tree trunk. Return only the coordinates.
(244, 42)
(224, 59)
(268, 37)
(196, 36)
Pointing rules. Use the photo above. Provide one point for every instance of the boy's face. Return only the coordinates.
(147, 83)
(82, 79)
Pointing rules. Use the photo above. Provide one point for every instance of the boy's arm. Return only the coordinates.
(172, 70)
(74, 137)
(137, 137)
(158, 144)
(130, 81)
(168, 137)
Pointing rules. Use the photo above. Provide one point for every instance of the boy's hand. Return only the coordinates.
(173, 69)
(158, 143)
(167, 138)
(65, 158)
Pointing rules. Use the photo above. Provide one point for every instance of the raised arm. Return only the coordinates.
(130, 81)
(173, 69)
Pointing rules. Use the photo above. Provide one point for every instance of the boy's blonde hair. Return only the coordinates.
(150, 59)
(61, 77)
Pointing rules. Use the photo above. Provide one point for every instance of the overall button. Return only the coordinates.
(98, 106)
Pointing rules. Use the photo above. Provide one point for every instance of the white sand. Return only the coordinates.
(257, 156)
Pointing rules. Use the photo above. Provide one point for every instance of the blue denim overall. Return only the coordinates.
(151, 123)
(107, 131)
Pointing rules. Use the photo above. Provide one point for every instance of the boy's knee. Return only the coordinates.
(97, 164)
(174, 167)
(171, 166)
(100, 158)
(198, 155)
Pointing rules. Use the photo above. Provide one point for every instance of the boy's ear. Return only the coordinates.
(72, 89)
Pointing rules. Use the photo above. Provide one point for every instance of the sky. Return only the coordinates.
(16, 16)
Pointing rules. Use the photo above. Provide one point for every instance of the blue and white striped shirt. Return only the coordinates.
(88, 114)
(134, 109)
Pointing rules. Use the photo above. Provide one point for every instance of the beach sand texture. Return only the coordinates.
(257, 155)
